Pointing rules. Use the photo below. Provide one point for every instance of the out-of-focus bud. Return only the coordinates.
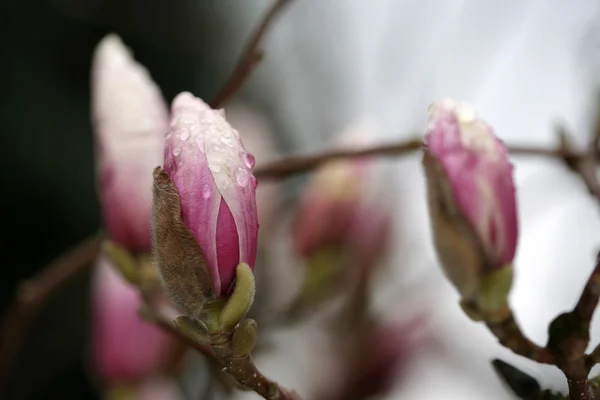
(472, 203)
(340, 208)
(130, 122)
(124, 348)
(384, 354)
(206, 190)
(342, 224)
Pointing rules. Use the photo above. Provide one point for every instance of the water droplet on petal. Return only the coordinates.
(176, 151)
(226, 141)
(206, 191)
(185, 134)
(242, 176)
(254, 181)
(249, 159)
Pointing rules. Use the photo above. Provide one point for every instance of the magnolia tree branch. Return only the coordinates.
(293, 165)
(569, 333)
(250, 58)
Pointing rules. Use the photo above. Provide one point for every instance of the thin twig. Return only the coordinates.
(510, 336)
(293, 165)
(250, 58)
(243, 369)
(32, 294)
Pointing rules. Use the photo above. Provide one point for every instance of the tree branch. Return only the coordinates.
(293, 165)
(510, 336)
(250, 58)
(32, 294)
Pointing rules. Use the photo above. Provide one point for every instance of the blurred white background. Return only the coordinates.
(525, 65)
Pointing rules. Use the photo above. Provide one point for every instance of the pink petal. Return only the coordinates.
(477, 165)
(187, 166)
(130, 121)
(124, 348)
(231, 170)
(228, 248)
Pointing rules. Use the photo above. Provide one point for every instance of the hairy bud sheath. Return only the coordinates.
(130, 122)
(471, 195)
(205, 218)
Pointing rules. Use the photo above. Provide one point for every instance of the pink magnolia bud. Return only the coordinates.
(124, 348)
(471, 194)
(130, 122)
(211, 170)
(340, 208)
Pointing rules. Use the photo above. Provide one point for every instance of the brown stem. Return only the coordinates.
(32, 294)
(243, 369)
(250, 58)
(510, 336)
(293, 165)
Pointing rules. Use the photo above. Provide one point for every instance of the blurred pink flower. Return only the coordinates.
(212, 172)
(476, 165)
(130, 122)
(340, 208)
(124, 348)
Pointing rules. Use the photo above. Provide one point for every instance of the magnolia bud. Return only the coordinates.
(130, 122)
(471, 201)
(210, 171)
(341, 208)
(124, 348)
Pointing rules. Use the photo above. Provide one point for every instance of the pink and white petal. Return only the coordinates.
(188, 168)
(130, 121)
(124, 347)
(230, 165)
(228, 246)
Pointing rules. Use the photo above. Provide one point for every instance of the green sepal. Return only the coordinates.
(241, 299)
(492, 296)
(122, 260)
(244, 338)
(191, 329)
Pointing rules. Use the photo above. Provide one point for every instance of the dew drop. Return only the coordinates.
(176, 151)
(226, 141)
(217, 148)
(206, 191)
(242, 176)
(249, 159)
(185, 134)
(254, 182)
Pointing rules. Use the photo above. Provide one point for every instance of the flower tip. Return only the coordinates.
(111, 50)
(465, 112)
(187, 100)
